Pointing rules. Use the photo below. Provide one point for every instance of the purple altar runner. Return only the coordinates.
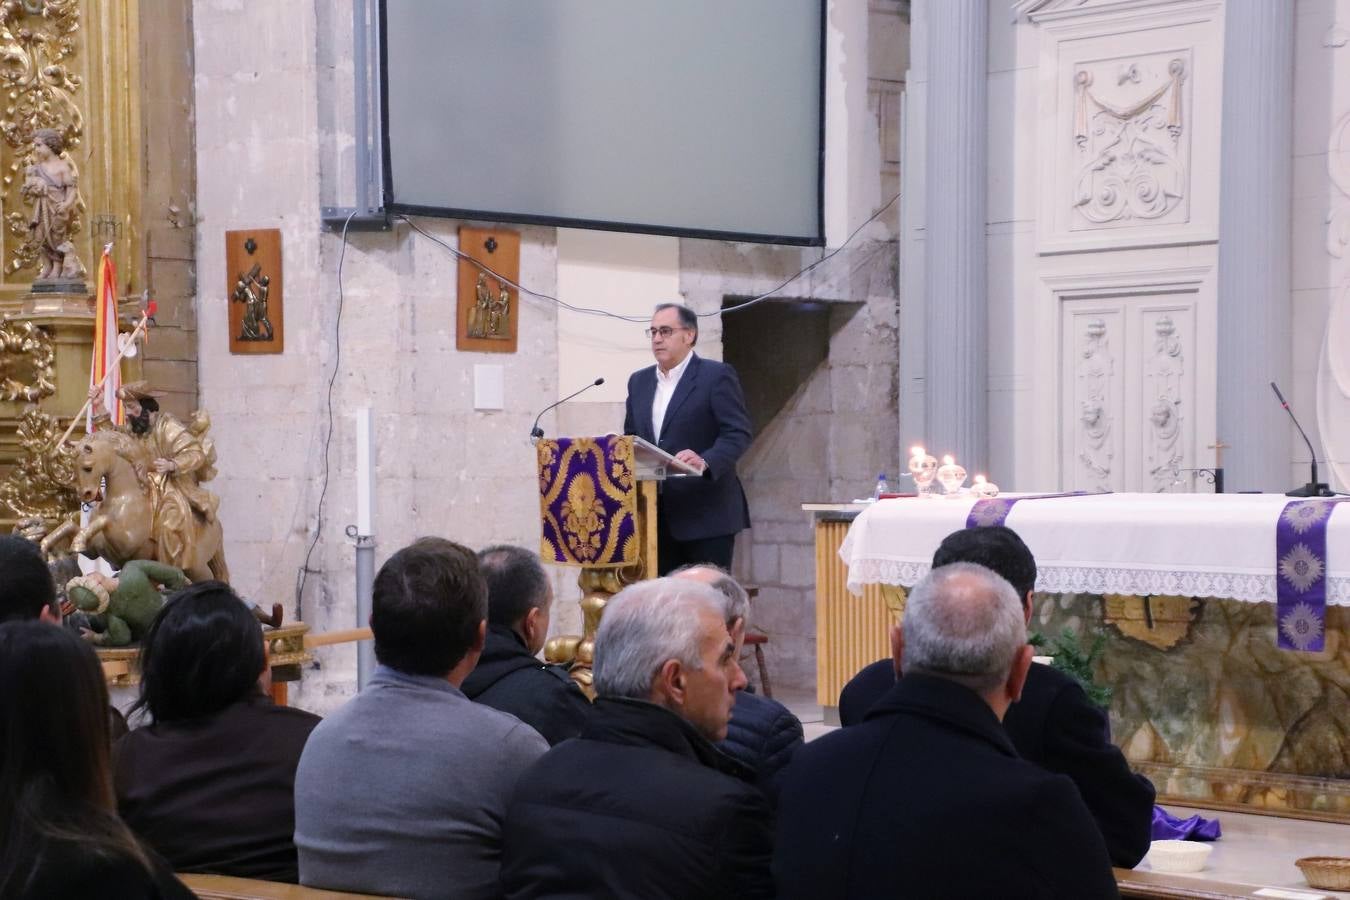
(995, 511)
(1301, 573)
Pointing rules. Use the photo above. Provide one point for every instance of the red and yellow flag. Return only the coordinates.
(105, 361)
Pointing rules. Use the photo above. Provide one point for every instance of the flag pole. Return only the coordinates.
(112, 367)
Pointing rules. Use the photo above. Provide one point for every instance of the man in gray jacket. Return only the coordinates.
(403, 790)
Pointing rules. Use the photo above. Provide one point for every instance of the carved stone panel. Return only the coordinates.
(1166, 398)
(1131, 141)
(1128, 392)
(1093, 389)
(1129, 113)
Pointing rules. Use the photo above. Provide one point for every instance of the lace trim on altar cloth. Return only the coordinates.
(1073, 580)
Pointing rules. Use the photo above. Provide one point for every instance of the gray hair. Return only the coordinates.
(737, 601)
(964, 623)
(688, 318)
(645, 625)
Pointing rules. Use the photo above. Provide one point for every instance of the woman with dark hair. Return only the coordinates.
(59, 833)
(209, 782)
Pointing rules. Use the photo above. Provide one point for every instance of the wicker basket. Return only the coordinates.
(1330, 872)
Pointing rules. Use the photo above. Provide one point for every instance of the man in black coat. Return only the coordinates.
(509, 676)
(763, 733)
(927, 797)
(642, 804)
(1054, 725)
(692, 408)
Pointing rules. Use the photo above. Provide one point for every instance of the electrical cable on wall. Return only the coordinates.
(639, 319)
(328, 436)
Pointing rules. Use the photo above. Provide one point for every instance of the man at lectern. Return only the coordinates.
(692, 408)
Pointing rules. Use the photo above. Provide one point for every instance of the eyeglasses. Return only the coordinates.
(665, 331)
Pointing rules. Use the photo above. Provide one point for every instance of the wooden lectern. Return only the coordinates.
(598, 512)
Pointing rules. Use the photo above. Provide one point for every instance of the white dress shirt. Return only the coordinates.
(665, 389)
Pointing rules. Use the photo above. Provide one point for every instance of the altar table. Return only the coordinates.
(1194, 545)
(1179, 588)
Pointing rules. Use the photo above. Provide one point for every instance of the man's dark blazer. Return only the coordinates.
(928, 798)
(706, 415)
(1058, 728)
(639, 806)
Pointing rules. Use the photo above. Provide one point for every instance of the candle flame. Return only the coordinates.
(947, 460)
(979, 479)
(916, 451)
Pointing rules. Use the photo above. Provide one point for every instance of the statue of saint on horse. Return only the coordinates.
(146, 481)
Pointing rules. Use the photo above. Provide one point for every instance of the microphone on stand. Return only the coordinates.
(1313, 488)
(536, 432)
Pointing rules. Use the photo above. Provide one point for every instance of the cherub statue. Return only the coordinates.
(52, 184)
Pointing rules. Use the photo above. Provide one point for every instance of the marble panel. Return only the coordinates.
(1207, 705)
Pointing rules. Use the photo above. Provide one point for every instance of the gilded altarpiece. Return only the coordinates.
(75, 66)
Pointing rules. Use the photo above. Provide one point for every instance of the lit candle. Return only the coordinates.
(983, 488)
(951, 476)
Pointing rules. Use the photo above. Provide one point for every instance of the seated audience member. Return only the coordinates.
(643, 804)
(26, 588)
(59, 834)
(1054, 725)
(762, 733)
(927, 797)
(28, 593)
(210, 781)
(403, 790)
(508, 676)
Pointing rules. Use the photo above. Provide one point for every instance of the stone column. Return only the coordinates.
(955, 312)
(1254, 308)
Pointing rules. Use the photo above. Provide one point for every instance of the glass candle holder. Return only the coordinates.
(951, 476)
(923, 469)
(983, 489)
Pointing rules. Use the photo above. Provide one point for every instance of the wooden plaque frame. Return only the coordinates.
(480, 293)
(260, 247)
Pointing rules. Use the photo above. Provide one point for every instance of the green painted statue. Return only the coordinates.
(121, 608)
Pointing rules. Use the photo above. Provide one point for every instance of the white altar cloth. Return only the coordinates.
(1196, 545)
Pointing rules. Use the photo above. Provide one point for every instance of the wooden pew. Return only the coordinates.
(221, 887)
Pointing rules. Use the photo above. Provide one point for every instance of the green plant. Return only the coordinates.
(1070, 658)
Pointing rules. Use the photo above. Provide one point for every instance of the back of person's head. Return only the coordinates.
(963, 622)
(429, 603)
(736, 600)
(516, 583)
(995, 547)
(645, 625)
(203, 652)
(26, 586)
(55, 775)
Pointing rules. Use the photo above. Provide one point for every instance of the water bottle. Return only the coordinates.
(881, 488)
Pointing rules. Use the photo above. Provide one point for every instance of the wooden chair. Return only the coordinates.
(756, 640)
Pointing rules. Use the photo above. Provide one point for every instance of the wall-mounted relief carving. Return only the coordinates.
(1164, 372)
(1093, 391)
(1129, 109)
(1129, 378)
(1129, 131)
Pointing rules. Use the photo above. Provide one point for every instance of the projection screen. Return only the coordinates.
(696, 117)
